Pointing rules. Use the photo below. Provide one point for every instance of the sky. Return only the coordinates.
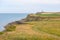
(28, 6)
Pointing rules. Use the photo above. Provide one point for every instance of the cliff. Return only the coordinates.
(43, 16)
(38, 26)
(39, 16)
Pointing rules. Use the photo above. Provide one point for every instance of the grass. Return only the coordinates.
(25, 36)
(11, 28)
(48, 15)
(1, 33)
(41, 30)
(51, 27)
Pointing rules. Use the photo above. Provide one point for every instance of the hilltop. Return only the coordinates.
(43, 16)
(38, 26)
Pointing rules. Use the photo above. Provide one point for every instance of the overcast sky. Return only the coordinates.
(28, 6)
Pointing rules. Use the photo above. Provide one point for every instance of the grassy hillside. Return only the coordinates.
(51, 27)
(33, 28)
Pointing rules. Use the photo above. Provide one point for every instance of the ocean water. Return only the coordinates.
(6, 18)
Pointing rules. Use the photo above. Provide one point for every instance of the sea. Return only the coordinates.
(6, 18)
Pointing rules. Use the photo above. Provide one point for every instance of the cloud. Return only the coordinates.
(25, 5)
(21, 2)
(41, 1)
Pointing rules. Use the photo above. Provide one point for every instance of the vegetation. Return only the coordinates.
(51, 27)
(49, 15)
(25, 36)
(1, 33)
(34, 29)
(10, 28)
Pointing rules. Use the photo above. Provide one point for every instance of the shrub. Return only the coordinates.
(10, 28)
(1, 33)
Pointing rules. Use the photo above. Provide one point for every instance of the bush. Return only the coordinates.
(10, 28)
(1, 33)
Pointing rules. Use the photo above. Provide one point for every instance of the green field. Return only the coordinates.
(35, 30)
(49, 15)
(51, 27)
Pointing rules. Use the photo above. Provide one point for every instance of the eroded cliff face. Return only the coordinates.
(46, 16)
(32, 17)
